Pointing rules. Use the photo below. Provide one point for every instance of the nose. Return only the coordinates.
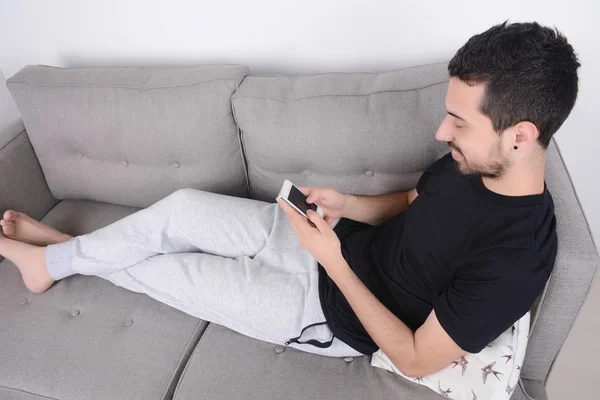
(444, 132)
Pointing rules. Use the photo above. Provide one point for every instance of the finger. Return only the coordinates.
(284, 206)
(292, 214)
(307, 191)
(316, 219)
(299, 225)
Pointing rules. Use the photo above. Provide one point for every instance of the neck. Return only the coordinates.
(522, 181)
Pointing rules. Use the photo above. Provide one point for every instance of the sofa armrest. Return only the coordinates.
(532, 390)
(22, 183)
(576, 265)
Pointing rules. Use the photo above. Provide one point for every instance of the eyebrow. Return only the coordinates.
(456, 116)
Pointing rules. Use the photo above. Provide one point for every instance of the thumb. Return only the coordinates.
(307, 191)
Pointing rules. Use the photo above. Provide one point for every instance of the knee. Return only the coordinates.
(183, 194)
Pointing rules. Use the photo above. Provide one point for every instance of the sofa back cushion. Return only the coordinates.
(362, 133)
(132, 135)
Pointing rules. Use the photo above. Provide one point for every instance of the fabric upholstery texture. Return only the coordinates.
(129, 135)
(356, 132)
(87, 338)
(102, 142)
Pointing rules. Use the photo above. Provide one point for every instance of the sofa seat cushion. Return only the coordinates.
(229, 365)
(86, 338)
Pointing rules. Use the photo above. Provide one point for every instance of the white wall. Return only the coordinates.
(294, 37)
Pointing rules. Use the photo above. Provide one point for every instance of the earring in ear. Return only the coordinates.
(516, 147)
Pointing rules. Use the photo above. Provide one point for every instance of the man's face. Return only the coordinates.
(476, 148)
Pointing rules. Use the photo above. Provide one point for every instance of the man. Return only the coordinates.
(425, 275)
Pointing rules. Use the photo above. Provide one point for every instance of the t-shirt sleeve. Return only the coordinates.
(489, 294)
(422, 184)
(433, 169)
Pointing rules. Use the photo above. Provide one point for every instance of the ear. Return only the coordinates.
(526, 133)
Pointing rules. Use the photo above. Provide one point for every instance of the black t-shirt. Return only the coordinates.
(478, 258)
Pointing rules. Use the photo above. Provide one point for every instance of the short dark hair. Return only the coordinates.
(530, 72)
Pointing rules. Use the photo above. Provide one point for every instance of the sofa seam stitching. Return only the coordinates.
(353, 73)
(26, 391)
(120, 86)
(522, 386)
(336, 94)
(240, 139)
(183, 373)
(13, 139)
(179, 361)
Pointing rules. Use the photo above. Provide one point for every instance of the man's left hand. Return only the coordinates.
(319, 240)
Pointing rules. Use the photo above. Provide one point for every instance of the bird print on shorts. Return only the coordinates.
(443, 392)
(488, 369)
(463, 363)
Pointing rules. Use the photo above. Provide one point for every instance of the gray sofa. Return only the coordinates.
(96, 144)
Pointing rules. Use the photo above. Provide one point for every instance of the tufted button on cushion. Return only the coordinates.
(24, 301)
(279, 349)
(176, 165)
(370, 173)
(74, 313)
(129, 322)
(125, 163)
(348, 359)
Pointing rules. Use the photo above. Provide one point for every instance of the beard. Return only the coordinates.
(494, 169)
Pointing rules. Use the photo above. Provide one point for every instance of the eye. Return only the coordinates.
(458, 126)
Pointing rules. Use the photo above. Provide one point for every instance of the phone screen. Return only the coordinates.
(299, 200)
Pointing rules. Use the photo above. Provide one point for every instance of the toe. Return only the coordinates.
(9, 230)
(10, 214)
(6, 222)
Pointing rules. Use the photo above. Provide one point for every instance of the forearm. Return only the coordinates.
(374, 210)
(391, 335)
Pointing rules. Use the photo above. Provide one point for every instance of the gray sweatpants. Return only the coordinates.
(228, 260)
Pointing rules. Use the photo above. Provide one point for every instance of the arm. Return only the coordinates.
(374, 210)
(421, 353)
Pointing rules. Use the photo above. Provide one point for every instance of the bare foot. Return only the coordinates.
(31, 261)
(21, 227)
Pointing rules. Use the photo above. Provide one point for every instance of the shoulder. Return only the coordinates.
(504, 267)
(441, 164)
(439, 167)
(515, 229)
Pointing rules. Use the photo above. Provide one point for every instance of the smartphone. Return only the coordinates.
(295, 198)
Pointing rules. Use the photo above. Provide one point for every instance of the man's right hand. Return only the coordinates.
(331, 202)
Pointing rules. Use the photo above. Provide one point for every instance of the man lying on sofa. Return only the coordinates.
(425, 275)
